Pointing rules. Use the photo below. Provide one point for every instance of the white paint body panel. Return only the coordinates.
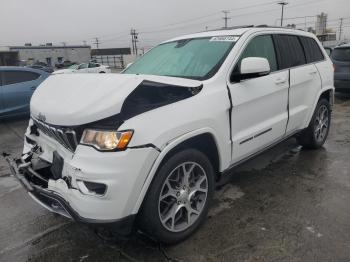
(259, 105)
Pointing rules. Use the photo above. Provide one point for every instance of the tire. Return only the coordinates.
(315, 135)
(156, 217)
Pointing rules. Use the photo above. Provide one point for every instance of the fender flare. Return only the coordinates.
(168, 147)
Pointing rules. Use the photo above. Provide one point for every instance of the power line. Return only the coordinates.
(211, 14)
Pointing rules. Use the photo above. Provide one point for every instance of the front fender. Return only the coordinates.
(169, 146)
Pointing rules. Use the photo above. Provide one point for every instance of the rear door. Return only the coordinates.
(259, 115)
(18, 87)
(305, 81)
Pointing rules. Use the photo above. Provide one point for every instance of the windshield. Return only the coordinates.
(73, 67)
(197, 58)
(341, 54)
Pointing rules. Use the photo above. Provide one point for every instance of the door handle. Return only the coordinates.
(279, 81)
(312, 72)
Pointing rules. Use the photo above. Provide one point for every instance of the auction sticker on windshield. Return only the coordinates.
(227, 38)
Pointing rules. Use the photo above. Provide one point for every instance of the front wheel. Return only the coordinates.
(315, 135)
(179, 197)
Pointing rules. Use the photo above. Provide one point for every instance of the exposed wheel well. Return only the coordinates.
(204, 143)
(328, 94)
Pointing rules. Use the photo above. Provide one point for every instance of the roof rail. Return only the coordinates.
(232, 27)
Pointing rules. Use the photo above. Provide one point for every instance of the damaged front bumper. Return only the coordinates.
(52, 201)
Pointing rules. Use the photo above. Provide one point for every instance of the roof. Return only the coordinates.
(238, 31)
(50, 47)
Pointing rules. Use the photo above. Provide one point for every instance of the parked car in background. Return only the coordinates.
(45, 68)
(17, 85)
(64, 64)
(85, 68)
(341, 61)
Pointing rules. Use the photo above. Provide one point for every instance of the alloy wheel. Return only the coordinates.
(183, 196)
(321, 123)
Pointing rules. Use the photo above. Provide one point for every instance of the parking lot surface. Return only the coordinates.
(288, 204)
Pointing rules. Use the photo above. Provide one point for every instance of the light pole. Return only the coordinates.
(282, 3)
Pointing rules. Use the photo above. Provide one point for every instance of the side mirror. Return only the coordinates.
(252, 67)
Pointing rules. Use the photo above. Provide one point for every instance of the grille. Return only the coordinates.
(65, 136)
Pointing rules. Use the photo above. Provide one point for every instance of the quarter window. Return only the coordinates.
(312, 50)
(14, 77)
(290, 52)
(260, 46)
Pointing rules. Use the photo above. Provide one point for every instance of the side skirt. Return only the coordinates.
(227, 173)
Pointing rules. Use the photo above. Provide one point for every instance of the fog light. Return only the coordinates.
(91, 188)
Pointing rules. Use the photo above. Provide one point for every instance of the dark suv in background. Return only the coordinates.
(341, 60)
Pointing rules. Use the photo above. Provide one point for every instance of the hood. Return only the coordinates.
(63, 71)
(76, 99)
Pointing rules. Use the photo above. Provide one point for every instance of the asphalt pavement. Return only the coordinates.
(288, 204)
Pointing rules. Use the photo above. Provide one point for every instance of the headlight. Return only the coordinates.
(106, 140)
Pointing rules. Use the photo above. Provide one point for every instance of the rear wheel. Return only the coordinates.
(315, 135)
(178, 199)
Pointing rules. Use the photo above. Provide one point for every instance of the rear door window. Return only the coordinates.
(341, 54)
(14, 77)
(290, 52)
(312, 50)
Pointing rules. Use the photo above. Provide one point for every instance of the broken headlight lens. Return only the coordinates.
(106, 140)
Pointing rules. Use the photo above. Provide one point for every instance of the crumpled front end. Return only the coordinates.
(82, 183)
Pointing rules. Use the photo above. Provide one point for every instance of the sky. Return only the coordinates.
(76, 21)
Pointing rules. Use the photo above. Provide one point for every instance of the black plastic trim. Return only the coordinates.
(145, 146)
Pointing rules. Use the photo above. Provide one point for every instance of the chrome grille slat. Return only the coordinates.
(64, 136)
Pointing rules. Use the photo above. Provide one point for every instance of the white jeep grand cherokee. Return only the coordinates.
(147, 147)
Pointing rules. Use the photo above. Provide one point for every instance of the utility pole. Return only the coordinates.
(84, 42)
(65, 49)
(226, 18)
(134, 40)
(340, 28)
(282, 3)
(97, 42)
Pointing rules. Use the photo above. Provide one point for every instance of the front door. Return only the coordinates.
(259, 116)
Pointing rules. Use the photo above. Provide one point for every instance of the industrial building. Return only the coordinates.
(49, 54)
